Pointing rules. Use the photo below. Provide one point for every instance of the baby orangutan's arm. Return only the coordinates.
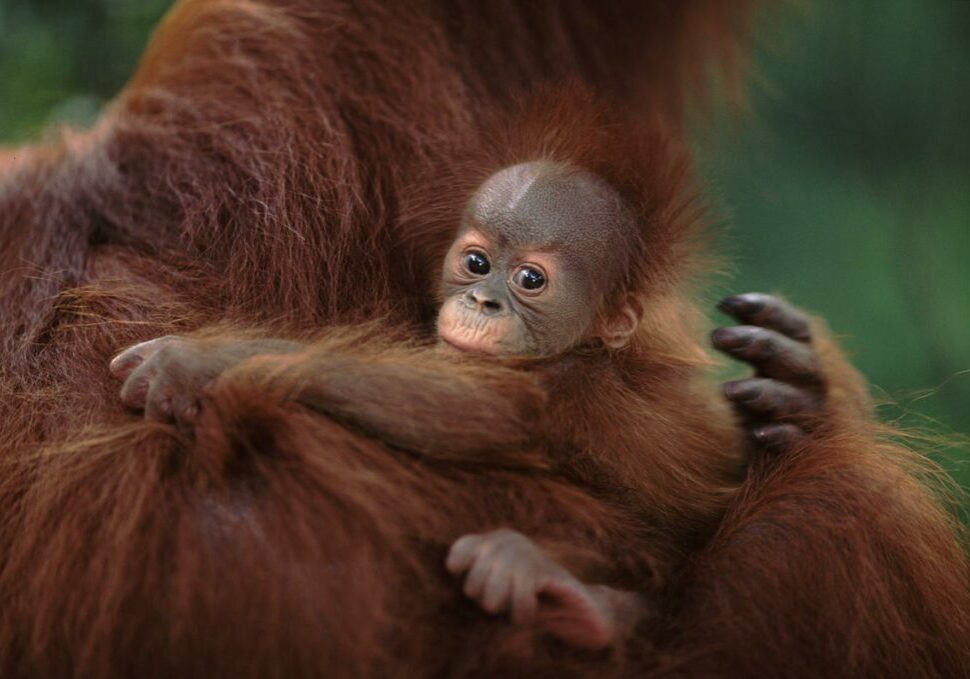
(505, 572)
(420, 399)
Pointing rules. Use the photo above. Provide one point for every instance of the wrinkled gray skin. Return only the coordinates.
(550, 217)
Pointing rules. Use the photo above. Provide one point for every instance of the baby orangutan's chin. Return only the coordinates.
(468, 330)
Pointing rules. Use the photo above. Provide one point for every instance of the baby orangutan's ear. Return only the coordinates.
(617, 329)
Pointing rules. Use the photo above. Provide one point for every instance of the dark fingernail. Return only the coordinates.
(742, 391)
(740, 304)
(731, 338)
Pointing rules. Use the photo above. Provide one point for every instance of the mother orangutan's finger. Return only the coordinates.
(778, 437)
(770, 352)
(767, 398)
(768, 311)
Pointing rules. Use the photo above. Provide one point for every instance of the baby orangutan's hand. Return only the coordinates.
(167, 377)
(508, 573)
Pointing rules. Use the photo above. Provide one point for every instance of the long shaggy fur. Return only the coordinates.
(264, 172)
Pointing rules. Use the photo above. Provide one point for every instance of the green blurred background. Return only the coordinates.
(846, 187)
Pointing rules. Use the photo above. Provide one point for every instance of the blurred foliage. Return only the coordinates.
(60, 60)
(847, 187)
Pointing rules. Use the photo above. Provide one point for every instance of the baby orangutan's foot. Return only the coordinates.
(508, 573)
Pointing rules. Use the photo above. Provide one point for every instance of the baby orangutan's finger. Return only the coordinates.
(185, 410)
(768, 311)
(134, 391)
(462, 553)
(477, 577)
(123, 364)
(771, 353)
(524, 599)
(767, 398)
(498, 589)
(158, 402)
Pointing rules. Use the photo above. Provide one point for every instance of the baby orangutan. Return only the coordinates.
(541, 267)
(544, 275)
(528, 275)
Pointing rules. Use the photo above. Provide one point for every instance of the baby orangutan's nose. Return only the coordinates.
(484, 301)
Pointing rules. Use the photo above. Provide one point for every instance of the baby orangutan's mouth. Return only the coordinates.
(467, 330)
(463, 345)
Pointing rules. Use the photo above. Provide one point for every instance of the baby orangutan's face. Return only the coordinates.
(539, 247)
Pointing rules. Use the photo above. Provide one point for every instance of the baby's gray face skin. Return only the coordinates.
(540, 245)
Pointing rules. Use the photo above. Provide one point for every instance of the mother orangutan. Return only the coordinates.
(264, 175)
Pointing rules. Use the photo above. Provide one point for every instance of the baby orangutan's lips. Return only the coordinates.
(467, 330)
(471, 347)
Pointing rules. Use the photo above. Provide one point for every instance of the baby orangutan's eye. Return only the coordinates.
(476, 262)
(529, 278)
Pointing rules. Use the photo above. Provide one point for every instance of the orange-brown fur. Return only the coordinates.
(262, 153)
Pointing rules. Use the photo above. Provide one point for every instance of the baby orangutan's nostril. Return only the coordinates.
(484, 302)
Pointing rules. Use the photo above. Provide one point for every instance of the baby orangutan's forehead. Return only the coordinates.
(543, 204)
